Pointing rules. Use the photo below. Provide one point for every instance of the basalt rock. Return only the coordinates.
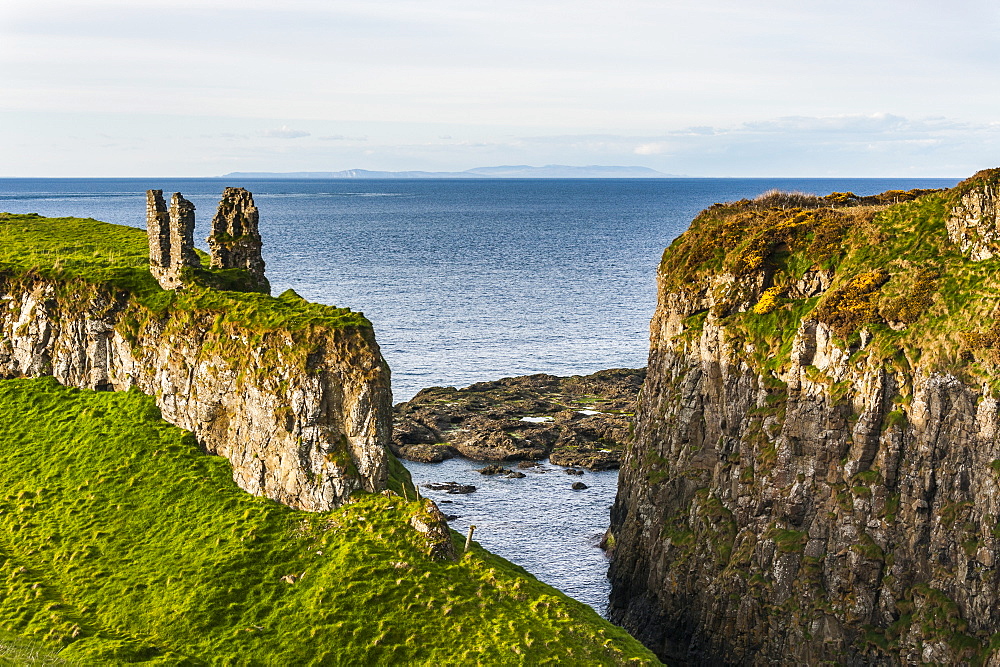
(815, 474)
(580, 420)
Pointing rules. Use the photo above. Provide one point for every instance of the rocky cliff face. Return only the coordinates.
(815, 474)
(295, 395)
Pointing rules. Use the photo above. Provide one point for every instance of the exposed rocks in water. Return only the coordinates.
(449, 487)
(582, 421)
(579, 486)
(815, 475)
(573, 471)
(516, 475)
(493, 470)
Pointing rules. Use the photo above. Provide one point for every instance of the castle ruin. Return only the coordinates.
(234, 241)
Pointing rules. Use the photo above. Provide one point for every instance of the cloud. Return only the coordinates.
(284, 132)
(652, 148)
(341, 137)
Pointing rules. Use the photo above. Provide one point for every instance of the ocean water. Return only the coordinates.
(467, 281)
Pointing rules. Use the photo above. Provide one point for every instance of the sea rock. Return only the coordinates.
(581, 420)
(573, 471)
(450, 487)
(493, 470)
(579, 486)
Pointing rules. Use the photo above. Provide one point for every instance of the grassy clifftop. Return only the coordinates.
(892, 271)
(83, 253)
(120, 542)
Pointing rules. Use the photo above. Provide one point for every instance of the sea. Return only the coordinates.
(472, 280)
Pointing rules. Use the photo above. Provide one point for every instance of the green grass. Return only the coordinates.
(893, 265)
(84, 255)
(120, 542)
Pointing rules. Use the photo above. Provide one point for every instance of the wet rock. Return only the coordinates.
(427, 453)
(516, 475)
(582, 421)
(494, 469)
(579, 486)
(450, 487)
(573, 471)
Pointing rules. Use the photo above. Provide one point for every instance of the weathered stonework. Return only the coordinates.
(303, 416)
(171, 238)
(235, 241)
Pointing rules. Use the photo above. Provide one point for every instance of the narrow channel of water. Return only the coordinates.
(538, 522)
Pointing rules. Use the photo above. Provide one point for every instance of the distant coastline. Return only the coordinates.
(506, 171)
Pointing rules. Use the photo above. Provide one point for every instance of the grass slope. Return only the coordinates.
(120, 541)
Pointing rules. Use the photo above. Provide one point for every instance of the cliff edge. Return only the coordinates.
(295, 394)
(815, 474)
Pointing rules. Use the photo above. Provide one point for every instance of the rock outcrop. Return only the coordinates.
(295, 395)
(815, 475)
(235, 241)
(171, 238)
(579, 420)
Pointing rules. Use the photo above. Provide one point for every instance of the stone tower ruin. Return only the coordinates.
(235, 240)
(171, 238)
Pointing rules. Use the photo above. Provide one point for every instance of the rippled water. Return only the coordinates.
(538, 522)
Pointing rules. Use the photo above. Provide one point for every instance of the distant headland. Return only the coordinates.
(506, 171)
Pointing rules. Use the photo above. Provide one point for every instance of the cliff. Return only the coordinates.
(296, 395)
(815, 474)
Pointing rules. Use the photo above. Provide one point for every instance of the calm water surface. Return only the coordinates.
(467, 281)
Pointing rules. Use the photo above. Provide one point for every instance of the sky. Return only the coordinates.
(695, 88)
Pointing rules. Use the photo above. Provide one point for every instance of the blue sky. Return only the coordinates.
(706, 88)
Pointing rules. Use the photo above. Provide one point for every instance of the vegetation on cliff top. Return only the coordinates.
(892, 270)
(120, 542)
(83, 253)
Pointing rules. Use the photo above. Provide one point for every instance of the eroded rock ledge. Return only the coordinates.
(577, 421)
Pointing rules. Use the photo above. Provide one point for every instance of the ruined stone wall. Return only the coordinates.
(235, 241)
(171, 238)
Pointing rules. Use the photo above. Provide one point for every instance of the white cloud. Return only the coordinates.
(284, 132)
(652, 148)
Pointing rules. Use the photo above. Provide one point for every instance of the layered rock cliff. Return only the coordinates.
(815, 474)
(296, 395)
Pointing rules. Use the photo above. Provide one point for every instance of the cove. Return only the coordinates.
(538, 522)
